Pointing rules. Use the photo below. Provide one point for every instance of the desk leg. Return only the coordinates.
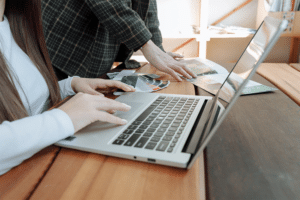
(294, 51)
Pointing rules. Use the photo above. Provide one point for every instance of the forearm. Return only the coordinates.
(21, 139)
(152, 23)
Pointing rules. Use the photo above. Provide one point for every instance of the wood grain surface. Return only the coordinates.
(83, 175)
(21, 181)
(255, 153)
(283, 76)
(296, 66)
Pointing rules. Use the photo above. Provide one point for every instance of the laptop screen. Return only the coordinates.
(256, 51)
(249, 58)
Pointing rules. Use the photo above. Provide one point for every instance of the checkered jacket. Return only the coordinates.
(83, 37)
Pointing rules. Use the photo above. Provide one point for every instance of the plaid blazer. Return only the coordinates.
(83, 37)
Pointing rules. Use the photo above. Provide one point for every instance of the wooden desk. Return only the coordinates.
(256, 152)
(254, 155)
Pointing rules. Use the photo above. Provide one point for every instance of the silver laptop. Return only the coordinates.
(173, 129)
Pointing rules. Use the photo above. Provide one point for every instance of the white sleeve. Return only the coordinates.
(21, 139)
(65, 87)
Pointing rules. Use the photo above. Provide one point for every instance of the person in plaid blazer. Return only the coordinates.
(85, 37)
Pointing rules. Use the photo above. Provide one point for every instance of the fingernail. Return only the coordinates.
(128, 106)
(124, 121)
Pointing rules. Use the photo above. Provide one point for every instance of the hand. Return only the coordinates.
(174, 55)
(89, 85)
(164, 62)
(84, 109)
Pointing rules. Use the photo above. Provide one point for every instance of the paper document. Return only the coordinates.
(211, 75)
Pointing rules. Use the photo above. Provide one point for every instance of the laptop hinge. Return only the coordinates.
(195, 134)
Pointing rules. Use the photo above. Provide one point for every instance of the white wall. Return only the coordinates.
(179, 15)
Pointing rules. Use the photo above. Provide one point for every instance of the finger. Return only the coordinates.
(93, 92)
(176, 55)
(189, 71)
(120, 85)
(106, 117)
(171, 72)
(180, 70)
(107, 104)
(111, 111)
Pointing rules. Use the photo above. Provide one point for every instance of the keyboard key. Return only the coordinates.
(150, 118)
(158, 134)
(170, 133)
(128, 131)
(175, 125)
(155, 139)
(167, 121)
(173, 129)
(123, 136)
(162, 146)
(162, 115)
(147, 123)
(141, 142)
(132, 127)
(162, 130)
(167, 138)
(143, 127)
(151, 145)
(136, 122)
(158, 121)
(170, 149)
(118, 141)
(154, 126)
(132, 140)
(145, 114)
(172, 145)
(175, 140)
(140, 131)
(147, 134)
(164, 126)
(151, 130)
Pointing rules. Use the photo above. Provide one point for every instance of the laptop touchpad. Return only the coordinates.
(135, 108)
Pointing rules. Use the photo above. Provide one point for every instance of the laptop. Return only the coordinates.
(170, 129)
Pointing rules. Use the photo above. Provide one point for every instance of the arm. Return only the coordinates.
(21, 139)
(152, 23)
(66, 88)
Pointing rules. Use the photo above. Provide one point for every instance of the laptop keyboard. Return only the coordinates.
(160, 126)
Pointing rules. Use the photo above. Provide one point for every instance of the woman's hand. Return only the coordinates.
(166, 62)
(89, 85)
(84, 109)
(174, 55)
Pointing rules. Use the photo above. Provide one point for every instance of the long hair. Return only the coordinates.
(25, 21)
